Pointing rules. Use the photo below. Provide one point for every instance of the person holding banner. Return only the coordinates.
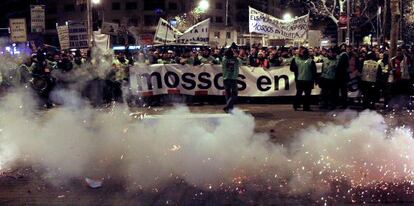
(327, 80)
(230, 66)
(305, 74)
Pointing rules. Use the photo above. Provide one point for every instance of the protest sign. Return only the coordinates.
(18, 32)
(110, 28)
(63, 34)
(78, 35)
(37, 16)
(263, 23)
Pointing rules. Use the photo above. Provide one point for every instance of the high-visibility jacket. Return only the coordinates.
(371, 71)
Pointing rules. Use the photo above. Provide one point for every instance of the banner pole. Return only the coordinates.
(166, 35)
(250, 41)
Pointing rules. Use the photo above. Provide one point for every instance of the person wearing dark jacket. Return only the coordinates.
(342, 75)
(305, 73)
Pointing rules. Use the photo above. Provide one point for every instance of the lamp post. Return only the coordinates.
(89, 8)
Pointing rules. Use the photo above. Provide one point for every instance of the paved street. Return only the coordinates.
(24, 185)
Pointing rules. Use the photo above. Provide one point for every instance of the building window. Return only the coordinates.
(150, 20)
(228, 35)
(172, 6)
(131, 6)
(82, 7)
(219, 5)
(219, 19)
(51, 9)
(116, 6)
(154, 5)
(69, 7)
(217, 34)
(133, 22)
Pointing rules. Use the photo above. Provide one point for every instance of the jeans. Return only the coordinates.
(230, 86)
(303, 87)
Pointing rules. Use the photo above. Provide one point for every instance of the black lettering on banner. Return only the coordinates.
(241, 84)
(188, 81)
(277, 81)
(175, 78)
(263, 28)
(149, 77)
(263, 81)
(217, 80)
(204, 78)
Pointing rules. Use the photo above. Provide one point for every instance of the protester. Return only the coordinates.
(305, 73)
(230, 66)
(370, 79)
(61, 69)
(342, 76)
(401, 65)
(327, 80)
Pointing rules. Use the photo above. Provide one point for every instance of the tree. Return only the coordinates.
(366, 10)
(395, 18)
(409, 21)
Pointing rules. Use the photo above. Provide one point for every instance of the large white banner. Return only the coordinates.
(263, 23)
(102, 41)
(197, 34)
(37, 16)
(18, 31)
(148, 80)
(166, 33)
(78, 35)
(63, 34)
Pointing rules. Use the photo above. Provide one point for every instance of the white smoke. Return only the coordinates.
(77, 141)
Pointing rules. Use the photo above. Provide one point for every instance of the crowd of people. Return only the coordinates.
(379, 77)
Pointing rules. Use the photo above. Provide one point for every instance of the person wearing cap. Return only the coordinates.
(230, 66)
(370, 79)
(304, 69)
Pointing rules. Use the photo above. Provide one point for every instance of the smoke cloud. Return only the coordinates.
(78, 141)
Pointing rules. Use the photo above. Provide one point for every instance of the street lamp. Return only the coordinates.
(203, 5)
(287, 17)
(96, 1)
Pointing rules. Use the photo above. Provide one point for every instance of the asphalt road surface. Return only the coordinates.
(25, 186)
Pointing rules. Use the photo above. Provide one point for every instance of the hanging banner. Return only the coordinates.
(63, 34)
(78, 35)
(197, 34)
(110, 28)
(18, 32)
(263, 23)
(166, 33)
(37, 16)
(102, 41)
